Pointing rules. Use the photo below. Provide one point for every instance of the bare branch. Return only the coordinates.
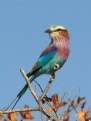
(51, 112)
(20, 110)
(38, 100)
(46, 89)
(29, 85)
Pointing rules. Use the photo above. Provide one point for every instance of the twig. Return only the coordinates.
(43, 110)
(20, 110)
(46, 89)
(44, 93)
(71, 104)
(39, 86)
(41, 107)
(29, 85)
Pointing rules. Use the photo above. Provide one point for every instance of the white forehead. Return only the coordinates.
(54, 27)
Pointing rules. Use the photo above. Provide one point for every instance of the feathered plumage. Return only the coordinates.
(54, 55)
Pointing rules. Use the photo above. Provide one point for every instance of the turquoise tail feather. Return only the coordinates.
(20, 94)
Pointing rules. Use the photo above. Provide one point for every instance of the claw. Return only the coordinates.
(52, 77)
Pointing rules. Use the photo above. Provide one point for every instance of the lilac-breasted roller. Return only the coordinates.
(52, 58)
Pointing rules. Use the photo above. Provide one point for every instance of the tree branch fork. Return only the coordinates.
(73, 104)
(38, 99)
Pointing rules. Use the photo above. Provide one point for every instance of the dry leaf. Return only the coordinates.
(55, 101)
(1, 116)
(48, 99)
(61, 104)
(43, 101)
(27, 114)
(81, 115)
(87, 111)
(12, 116)
(50, 109)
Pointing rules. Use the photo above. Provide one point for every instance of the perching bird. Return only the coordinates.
(52, 58)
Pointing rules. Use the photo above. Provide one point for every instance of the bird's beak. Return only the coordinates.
(48, 31)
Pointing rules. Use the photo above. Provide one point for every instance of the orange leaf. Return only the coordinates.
(81, 116)
(27, 114)
(12, 116)
(87, 111)
(61, 104)
(50, 109)
(55, 101)
(1, 116)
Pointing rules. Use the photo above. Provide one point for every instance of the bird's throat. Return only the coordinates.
(62, 45)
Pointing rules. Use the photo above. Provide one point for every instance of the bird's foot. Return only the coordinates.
(52, 77)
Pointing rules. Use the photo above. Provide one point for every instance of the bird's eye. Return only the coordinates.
(58, 29)
(61, 29)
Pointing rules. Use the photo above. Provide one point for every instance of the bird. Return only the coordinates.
(51, 59)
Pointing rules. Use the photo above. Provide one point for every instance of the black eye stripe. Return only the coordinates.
(59, 30)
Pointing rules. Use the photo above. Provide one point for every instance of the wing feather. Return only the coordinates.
(44, 58)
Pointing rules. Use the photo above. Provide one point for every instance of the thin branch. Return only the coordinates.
(38, 99)
(39, 86)
(20, 110)
(42, 92)
(43, 110)
(71, 104)
(29, 85)
(46, 89)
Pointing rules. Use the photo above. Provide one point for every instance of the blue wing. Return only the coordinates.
(44, 58)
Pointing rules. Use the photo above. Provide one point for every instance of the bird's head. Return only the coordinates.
(58, 31)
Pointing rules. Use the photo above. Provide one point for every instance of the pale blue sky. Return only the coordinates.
(22, 39)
